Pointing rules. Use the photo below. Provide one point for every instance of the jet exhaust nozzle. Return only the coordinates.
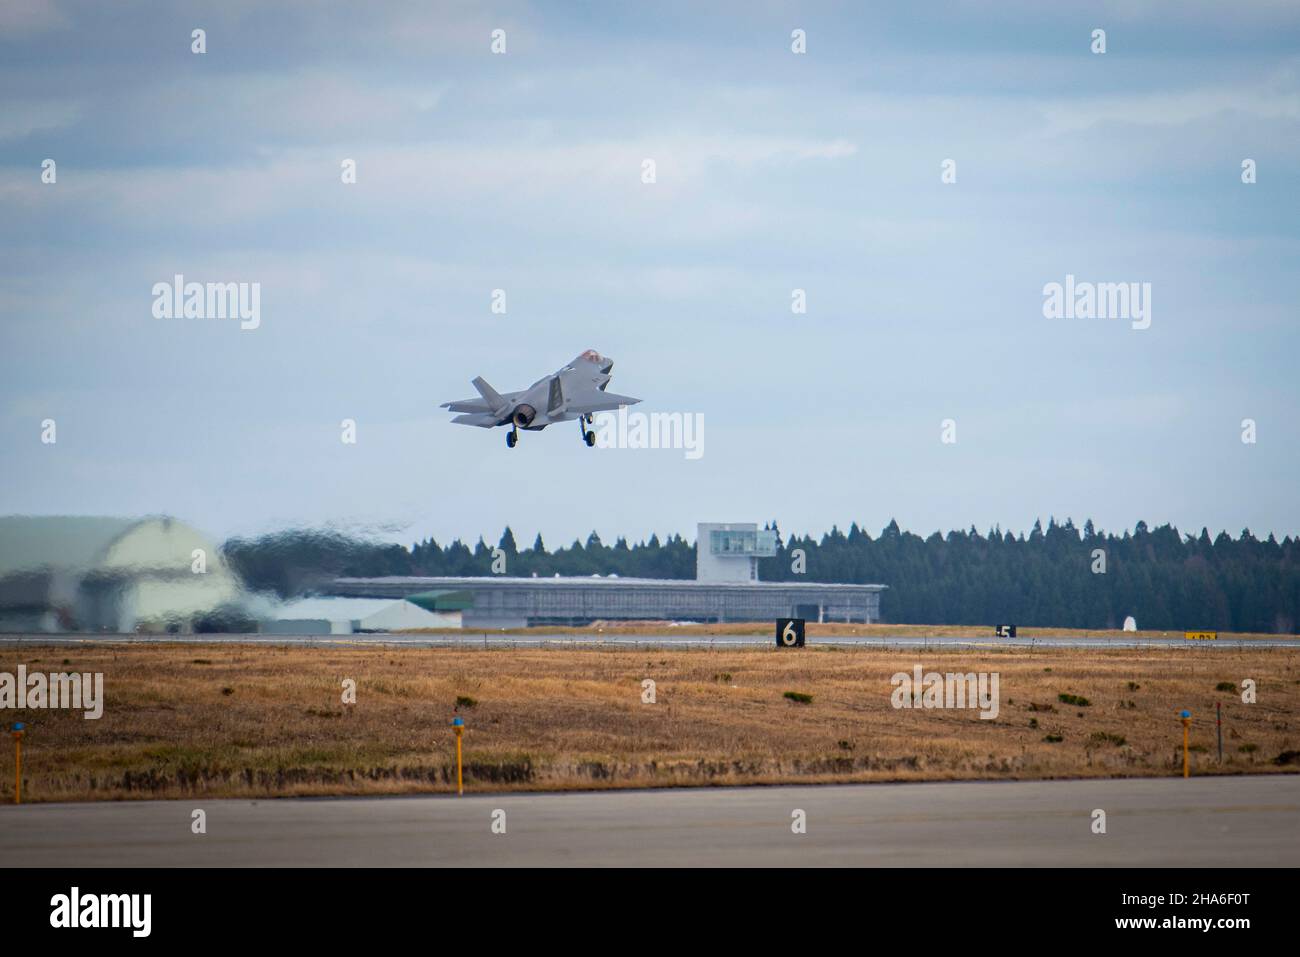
(523, 416)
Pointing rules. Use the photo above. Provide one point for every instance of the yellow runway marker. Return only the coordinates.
(459, 724)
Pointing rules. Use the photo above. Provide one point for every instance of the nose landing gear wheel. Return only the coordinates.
(511, 438)
(590, 439)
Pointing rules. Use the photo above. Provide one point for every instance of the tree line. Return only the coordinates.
(1062, 575)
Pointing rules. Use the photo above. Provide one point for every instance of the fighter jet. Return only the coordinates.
(575, 392)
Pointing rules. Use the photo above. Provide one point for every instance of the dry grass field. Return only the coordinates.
(230, 720)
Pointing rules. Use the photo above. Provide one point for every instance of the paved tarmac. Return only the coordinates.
(1165, 822)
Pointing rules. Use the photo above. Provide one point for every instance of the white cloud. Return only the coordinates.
(21, 118)
(1274, 99)
(21, 18)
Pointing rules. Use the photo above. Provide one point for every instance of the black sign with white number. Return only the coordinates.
(789, 632)
(1006, 631)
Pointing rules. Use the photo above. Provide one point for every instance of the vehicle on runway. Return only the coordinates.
(576, 391)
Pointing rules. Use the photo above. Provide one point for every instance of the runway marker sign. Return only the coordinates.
(1006, 631)
(458, 723)
(790, 632)
(1200, 635)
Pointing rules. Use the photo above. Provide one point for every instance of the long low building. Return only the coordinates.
(503, 602)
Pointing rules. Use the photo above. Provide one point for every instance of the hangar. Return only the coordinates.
(348, 616)
(725, 588)
(94, 573)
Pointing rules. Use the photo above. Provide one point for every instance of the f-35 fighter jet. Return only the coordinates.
(575, 392)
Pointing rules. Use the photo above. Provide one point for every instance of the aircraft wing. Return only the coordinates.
(598, 401)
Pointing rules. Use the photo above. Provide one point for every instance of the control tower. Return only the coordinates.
(730, 552)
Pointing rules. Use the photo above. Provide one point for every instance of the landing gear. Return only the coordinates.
(590, 439)
(511, 438)
(587, 436)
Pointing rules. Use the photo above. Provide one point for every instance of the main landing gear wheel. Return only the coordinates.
(590, 439)
(511, 438)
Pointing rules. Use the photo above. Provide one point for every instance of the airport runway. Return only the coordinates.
(1166, 822)
(477, 639)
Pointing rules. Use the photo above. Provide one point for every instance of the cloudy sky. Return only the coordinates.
(775, 171)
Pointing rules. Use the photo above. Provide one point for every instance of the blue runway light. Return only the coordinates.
(457, 722)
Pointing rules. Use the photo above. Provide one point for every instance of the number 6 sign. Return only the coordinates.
(789, 632)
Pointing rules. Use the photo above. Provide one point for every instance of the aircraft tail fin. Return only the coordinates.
(490, 395)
